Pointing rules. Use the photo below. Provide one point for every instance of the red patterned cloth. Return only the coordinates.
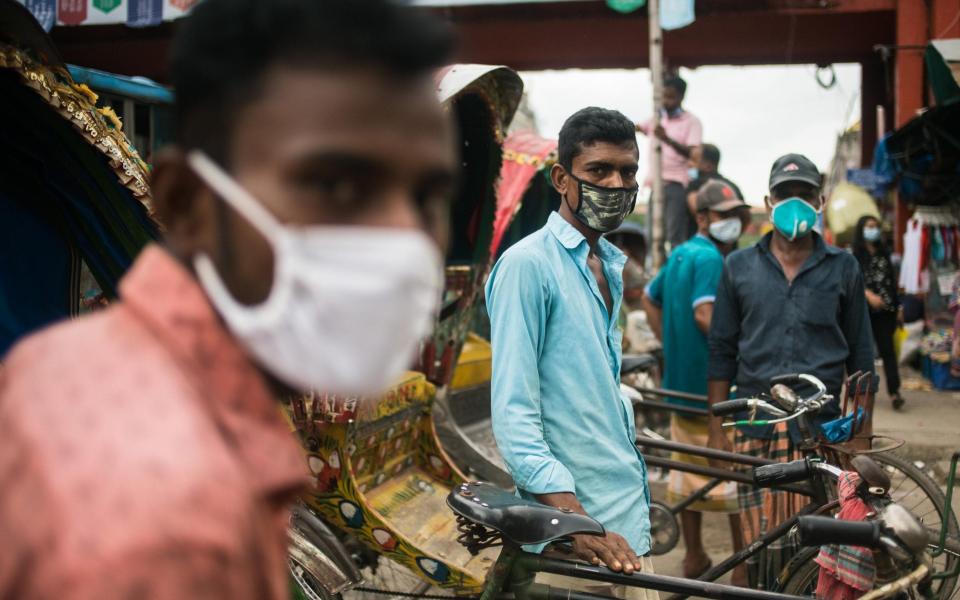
(142, 455)
(846, 572)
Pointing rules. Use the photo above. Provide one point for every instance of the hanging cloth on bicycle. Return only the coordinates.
(846, 572)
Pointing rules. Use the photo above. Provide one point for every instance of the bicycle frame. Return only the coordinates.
(816, 491)
(512, 578)
(944, 526)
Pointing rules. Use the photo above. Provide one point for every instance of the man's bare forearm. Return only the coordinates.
(718, 390)
(654, 317)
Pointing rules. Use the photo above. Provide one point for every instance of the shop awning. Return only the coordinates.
(943, 70)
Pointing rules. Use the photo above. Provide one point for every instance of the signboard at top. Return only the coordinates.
(135, 13)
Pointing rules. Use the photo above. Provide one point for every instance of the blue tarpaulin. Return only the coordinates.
(139, 88)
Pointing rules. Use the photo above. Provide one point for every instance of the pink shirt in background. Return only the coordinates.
(142, 455)
(684, 128)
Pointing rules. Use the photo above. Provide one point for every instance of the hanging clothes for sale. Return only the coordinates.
(931, 255)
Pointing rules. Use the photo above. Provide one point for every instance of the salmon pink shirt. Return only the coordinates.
(684, 128)
(142, 455)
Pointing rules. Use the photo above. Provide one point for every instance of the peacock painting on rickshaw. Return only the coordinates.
(380, 472)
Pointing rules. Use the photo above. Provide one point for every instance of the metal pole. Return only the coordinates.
(656, 179)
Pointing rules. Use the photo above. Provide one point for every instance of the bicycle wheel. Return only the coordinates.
(388, 576)
(917, 492)
(799, 577)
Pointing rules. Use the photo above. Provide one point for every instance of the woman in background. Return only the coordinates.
(881, 292)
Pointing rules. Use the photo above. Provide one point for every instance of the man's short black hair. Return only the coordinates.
(676, 83)
(223, 50)
(711, 153)
(590, 125)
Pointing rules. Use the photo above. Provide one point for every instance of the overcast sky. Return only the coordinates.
(753, 114)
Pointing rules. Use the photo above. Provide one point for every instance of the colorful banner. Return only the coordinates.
(45, 12)
(134, 13)
(144, 13)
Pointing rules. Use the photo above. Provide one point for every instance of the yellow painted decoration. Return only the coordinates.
(473, 366)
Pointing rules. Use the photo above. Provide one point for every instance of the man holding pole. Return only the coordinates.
(679, 132)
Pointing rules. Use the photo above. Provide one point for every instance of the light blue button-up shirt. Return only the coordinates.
(560, 420)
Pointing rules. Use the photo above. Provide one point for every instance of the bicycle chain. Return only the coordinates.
(412, 594)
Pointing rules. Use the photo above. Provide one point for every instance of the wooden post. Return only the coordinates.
(656, 160)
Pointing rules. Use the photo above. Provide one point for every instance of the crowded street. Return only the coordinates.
(480, 299)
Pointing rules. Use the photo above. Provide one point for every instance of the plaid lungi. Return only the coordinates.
(763, 509)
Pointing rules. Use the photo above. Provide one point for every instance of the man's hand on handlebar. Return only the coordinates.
(611, 550)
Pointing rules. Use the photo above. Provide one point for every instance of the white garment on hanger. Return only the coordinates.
(912, 280)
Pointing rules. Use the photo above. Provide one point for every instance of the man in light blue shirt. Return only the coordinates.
(563, 427)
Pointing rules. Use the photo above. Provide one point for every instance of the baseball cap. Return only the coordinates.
(717, 196)
(794, 167)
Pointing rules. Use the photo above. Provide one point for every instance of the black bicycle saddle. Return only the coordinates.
(519, 521)
(637, 362)
(877, 480)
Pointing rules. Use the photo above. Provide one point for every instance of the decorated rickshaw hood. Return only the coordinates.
(499, 86)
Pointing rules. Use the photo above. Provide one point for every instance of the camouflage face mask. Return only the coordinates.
(603, 209)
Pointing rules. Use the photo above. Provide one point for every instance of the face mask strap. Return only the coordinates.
(234, 194)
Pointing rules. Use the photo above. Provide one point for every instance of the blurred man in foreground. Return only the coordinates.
(304, 202)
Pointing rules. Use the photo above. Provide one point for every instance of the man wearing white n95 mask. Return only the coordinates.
(304, 203)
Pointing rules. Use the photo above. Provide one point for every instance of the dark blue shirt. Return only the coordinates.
(765, 326)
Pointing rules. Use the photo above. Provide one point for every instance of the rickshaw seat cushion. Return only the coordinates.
(523, 522)
(637, 362)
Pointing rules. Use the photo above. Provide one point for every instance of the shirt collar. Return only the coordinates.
(566, 234)
(819, 246)
(571, 239)
(162, 294)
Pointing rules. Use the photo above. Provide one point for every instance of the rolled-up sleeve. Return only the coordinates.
(724, 337)
(855, 322)
(654, 289)
(517, 302)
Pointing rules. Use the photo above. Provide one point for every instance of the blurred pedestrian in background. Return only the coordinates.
(679, 307)
(680, 131)
(707, 161)
(881, 291)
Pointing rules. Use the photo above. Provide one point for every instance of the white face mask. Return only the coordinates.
(727, 230)
(348, 307)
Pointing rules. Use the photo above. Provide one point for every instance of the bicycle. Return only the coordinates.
(908, 484)
(800, 578)
(488, 516)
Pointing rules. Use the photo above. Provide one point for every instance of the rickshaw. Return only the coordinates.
(380, 473)
(74, 196)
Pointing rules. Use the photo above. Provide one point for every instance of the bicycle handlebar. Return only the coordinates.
(781, 473)
(817, 531)
(810, 404)
(729, 407)
(792, 472)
